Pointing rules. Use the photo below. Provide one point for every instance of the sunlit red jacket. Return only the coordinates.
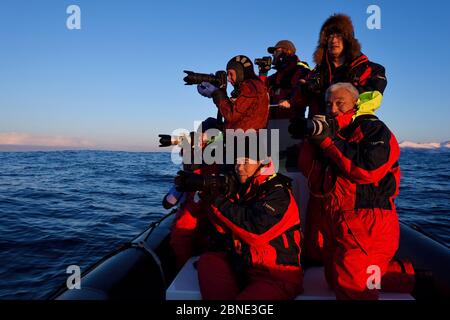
(248, 110)
(356, 170)
(265, 224)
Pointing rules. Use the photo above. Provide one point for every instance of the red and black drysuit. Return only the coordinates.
(248, 108)
(365, 76)
(264, 258)
(282, 84)
(356, 177)
(192, 232)
(360, 72)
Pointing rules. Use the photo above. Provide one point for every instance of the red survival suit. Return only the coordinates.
(249, 109)
(264, 259)
(356, 177)
(193, 232)
(282, 84)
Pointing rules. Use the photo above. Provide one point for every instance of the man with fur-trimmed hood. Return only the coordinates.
(338, 58)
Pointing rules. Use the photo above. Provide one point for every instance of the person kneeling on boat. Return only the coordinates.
(357, 176)
(262, 260)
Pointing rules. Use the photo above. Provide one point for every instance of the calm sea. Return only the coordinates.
(73, 207)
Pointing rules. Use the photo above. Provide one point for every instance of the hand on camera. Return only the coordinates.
(327, 131)
(187, 181)
(264, 69)
(206, 89)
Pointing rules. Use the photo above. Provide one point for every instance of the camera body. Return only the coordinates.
(264, 62)
(314, 84)
(316, 125)
(219, 79)
(191, 182)
(305, 128)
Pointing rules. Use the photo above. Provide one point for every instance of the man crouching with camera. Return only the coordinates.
(261, 260)
(351, 165)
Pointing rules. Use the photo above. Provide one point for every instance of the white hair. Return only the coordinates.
(343, 85)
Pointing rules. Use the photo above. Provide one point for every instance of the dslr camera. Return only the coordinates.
(304, 127)
(219, 79)
(166, 140)
(264, 62)
(190, 182)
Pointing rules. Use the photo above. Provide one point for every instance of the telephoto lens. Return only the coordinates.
(166, 140)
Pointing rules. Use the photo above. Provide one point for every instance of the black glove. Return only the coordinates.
(264, 69)
(188, 181)
(329, 130)
(223, 186)
(297, 128)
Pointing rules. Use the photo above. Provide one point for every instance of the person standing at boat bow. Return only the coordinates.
(248, 106)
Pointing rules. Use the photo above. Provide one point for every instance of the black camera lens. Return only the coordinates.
(165, 140)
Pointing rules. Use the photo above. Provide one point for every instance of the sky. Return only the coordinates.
(117, 82)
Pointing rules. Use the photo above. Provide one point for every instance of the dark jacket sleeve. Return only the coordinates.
(373, 78)
(368, 160)
(260, 216)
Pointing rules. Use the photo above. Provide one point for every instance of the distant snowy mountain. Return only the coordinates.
(430, 145)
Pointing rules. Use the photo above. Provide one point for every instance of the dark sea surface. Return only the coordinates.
(73, 207)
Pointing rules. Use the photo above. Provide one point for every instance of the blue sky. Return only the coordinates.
(117, 82)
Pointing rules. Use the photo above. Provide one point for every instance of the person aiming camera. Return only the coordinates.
(289, 70)
(351, 162)
(256, 209)
(248, 106)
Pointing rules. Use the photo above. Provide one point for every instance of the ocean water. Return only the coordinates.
(74, 207)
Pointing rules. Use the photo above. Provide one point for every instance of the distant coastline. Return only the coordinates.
(31, 148)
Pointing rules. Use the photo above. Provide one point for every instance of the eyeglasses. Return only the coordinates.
(335, 35)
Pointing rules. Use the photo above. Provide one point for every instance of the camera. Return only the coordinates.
(316, 125)
(304, 128)
(264, 62)
(191, 182)
(314, 84)
(166, 140)
(219, 79)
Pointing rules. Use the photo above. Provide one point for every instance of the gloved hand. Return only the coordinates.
(188, 181)
(231, 185)
(206, 89)
(264, 69)
(329, 130)
(223, 188)
(297, 128)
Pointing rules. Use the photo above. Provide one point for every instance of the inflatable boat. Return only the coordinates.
(144, 268)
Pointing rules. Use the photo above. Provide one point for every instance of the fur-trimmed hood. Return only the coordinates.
(338, 23)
